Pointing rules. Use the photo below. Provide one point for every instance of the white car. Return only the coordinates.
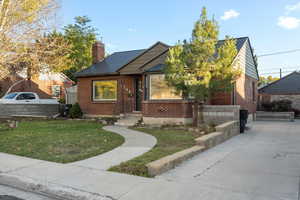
(25, 98)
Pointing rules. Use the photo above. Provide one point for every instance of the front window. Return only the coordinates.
(160, 90)
(105, 90)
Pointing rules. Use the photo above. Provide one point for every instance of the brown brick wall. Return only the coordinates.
(157, 108)
(244, 93)
(169, 109)
(222, 98)
(123, 104)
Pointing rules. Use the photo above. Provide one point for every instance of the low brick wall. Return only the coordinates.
(219, 114)
(223, 132)
(8, 110)
(274, 116)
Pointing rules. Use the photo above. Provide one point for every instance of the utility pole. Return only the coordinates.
(280, 73)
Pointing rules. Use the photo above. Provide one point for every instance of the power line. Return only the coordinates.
(275, 72)
(278, 53)
(278, 68)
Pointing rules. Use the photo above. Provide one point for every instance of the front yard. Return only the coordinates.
(60, 141)
(168, 142)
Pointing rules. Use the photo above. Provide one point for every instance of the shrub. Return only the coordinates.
(62, 101)
(75, 111)
(278, 106)
(267, 106)
(282, 106)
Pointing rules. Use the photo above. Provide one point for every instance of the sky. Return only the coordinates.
(271, 25)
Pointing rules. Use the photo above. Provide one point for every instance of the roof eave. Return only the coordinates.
(97, 74)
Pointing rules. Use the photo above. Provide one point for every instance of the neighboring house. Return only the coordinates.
(287, 87)
(46, 85)
(133, 82)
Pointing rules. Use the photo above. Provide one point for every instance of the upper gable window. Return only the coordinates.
(105, 90)
(160, 90)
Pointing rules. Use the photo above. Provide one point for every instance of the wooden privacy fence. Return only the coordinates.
(43, 110)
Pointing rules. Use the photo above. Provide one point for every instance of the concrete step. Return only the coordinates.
(128, 121)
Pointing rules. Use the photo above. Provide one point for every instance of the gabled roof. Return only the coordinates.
(289, 84)
(115, 62)
(239, 42)
(111, 64)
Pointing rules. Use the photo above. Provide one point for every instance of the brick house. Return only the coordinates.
(133, 82)
(286, 88)
(46, 85)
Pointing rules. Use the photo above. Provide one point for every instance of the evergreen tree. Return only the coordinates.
(199, 67)
(81, 36)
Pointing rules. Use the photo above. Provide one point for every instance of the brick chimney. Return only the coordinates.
(98, 52)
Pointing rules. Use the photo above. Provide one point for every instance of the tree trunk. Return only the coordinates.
(201, 116)
(195, 113)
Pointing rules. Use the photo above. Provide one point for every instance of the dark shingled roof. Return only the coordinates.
(289, 84)
(239, 44)
(110, 64)
(114, 62)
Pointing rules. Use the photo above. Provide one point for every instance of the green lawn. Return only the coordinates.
(168, 142)
(60, 141)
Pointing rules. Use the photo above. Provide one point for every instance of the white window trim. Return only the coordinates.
(150, 88)
(60, 90)
(94, 99)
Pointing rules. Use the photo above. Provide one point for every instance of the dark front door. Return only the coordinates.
(138, 94)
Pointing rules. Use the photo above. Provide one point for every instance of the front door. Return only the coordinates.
(138, 94)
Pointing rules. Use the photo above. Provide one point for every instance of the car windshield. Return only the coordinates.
(10, 96)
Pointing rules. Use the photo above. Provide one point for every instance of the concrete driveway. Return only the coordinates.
(263, 164)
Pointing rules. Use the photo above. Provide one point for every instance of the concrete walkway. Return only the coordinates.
(136, 143)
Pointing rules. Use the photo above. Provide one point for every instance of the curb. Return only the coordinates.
(49, 189)
(169, 162)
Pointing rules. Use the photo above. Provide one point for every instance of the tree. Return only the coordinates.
(25, 44)
(199, 68)
(266, 80)
(81, 36)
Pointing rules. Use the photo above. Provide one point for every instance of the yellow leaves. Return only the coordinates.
(31, 8)
(23, 25)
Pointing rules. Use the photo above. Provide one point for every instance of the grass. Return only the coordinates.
(61, 141)
(168, 142)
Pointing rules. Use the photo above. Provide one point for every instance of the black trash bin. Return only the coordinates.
(243, 120)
